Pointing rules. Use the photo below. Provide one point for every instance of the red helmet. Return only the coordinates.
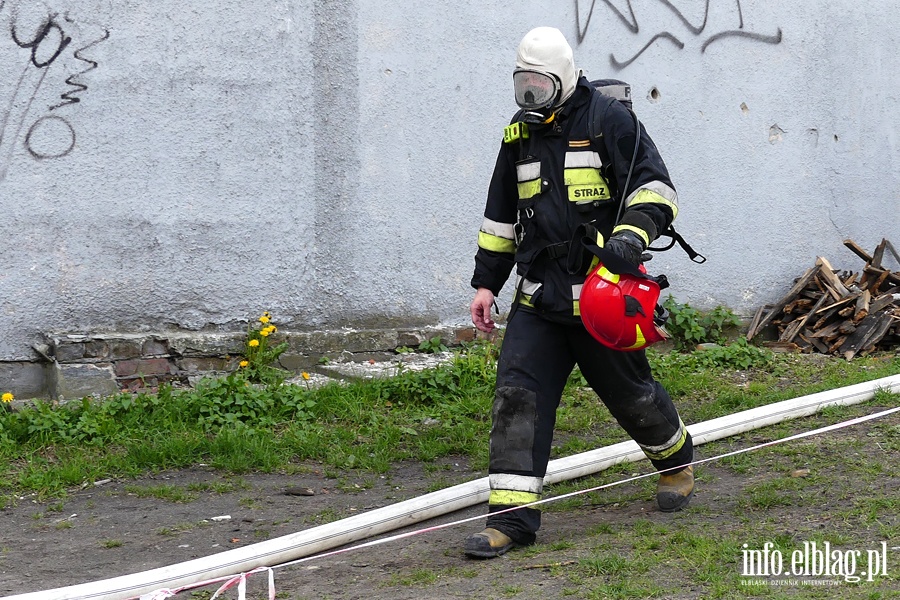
(620, 310)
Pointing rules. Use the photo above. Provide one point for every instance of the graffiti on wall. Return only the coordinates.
(699, 30)
(43, 67)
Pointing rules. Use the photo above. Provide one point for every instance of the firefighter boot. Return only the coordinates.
(489, 543)
(674, 490)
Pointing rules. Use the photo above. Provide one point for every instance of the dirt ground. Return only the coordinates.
(112, 529)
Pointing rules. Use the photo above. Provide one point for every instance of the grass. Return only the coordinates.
(355, 432)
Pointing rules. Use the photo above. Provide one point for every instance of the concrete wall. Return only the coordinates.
(174, 165)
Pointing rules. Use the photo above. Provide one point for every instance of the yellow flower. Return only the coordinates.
(244, 363)
(7, 397)
(253, 343)
(266, 313)
(264, 319)
(272, 328)
(305, 375)
(265, 332)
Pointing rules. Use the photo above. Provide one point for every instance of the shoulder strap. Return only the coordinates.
(677, 239)
(593, 118)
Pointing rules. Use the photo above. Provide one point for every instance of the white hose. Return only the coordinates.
(319, 539)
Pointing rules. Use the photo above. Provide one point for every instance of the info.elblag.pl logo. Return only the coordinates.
(814, 559)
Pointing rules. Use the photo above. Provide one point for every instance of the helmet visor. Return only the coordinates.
(535, 89)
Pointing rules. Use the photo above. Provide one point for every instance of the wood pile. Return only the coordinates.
(841, 313)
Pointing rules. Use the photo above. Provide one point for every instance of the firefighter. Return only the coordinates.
(551, 180)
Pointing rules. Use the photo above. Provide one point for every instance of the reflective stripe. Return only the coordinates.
(582, 176)
(655, 192)
(639, 340)
(528, 287)
(495, 243)
(579, 143)
(496, 228)
(529, 189)
(675, 443)
(576, 299)
(577, 160)
(528, 171)
(519, 483)
(636, 230)
(526, 300)
(607, 275)
(509, 498)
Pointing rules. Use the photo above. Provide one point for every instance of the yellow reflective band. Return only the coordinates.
(646, 196)
(663, 454)
(583, 177)
(512, 498)
(576, 308)
(526, 300)
(527, 189)
(579, 143)
(636, 230)
(640, 341)
(515, 132)
(495, 243)
(607, 275)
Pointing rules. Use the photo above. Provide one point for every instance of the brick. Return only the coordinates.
(75, 381)
(143, 366)
(155, 347)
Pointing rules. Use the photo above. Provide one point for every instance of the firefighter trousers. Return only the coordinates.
(536, 359)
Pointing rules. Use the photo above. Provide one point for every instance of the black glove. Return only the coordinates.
(627, 245)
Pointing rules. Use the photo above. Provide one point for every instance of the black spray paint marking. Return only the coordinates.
(631, 22)
(45, 140)
(69, 97)
(49, 136)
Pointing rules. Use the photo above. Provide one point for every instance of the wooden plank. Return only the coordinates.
(754, 323)
(802, 321)
(861, 311)
(878, 255)
(866, 336)
(837, 344)
(839, 303)
(799, 305)
(857, 250)
(827, 332)
(882, 302)
(791, 331)
(816, 342)
(792, 293)
(827, 274)
(878, 278)
(892, 250)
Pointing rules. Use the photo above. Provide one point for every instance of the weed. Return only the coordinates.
(112, 543)
(433, 345)
(689, 326)
(260, 353)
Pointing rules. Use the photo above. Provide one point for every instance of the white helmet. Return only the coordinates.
(545, 75)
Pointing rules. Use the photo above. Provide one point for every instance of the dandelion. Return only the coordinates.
(253, 343)
(264, 319)
(264, 332)
(305, 375)
(244, 363)
(272, 328)
(7, 398)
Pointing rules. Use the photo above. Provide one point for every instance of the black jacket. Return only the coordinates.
(545, 186)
